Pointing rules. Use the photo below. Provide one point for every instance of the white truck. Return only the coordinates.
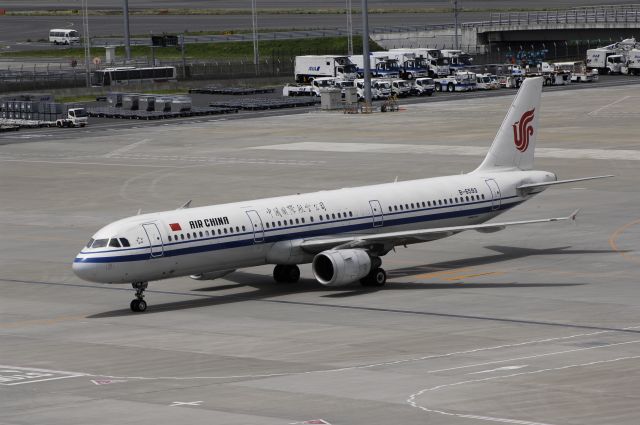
(411, 65)
(76, 117)
(400, 88)
(380, 89)
(437, 65)
(458, 59)
(484, 82)
(423, 87)
(606, 61)
(633, 62)
(380, 66)
(313, 66)
(461, 81)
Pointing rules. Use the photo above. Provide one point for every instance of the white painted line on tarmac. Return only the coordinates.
(386, 148)
(499, 369)
(597, 111)
(15, 375)
(412, 398)
(126, 149)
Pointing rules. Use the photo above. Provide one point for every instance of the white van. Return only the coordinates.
(62, 36)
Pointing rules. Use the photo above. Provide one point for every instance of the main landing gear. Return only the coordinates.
(376, 277)
(139, 304)
(283, 273)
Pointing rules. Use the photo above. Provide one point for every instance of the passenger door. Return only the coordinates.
(495, 194)
(376, 213)
(256, 226)
(154, 237)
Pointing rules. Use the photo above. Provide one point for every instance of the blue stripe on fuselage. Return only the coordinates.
(388, 222)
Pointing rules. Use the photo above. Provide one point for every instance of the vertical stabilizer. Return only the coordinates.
(515, 143)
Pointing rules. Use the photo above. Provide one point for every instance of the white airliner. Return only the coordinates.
(343, 233)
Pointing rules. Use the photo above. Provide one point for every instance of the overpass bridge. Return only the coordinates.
(590, 24)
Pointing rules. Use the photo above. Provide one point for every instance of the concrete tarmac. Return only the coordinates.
(532, 325)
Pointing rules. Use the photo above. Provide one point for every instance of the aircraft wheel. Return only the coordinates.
(377, 277)
(292, 274)
(138, 306)
(278, 273)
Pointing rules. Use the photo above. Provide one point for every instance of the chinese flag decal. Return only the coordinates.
(175, 227)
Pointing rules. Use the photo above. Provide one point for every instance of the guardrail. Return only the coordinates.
(626, 13)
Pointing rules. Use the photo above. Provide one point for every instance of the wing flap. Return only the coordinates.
(539, 187)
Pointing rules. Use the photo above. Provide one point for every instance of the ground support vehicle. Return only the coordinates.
(310, 67)
(64, 36)
(632, 66)
(461, 81)
(76, 117)
(578, 71)
(612, 58)
(400, 88)
(484, 82)
(380, 67)
(423, 87)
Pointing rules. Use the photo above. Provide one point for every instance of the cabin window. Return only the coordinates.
(468, 198)
(225, 231)
(230, 229)
(423, 204)
(188, 235)
(279, 223)
(267, 224)
(429, 203)
(100, 243)
(339, 216)
(328, 218)
(483, 196)
(412, 206)
(169, 238)
(182, 236)
(237, 229)
(311, 218)
(395, 207)
(406, 206)
(302, 219)
(244, 228)
(450, 201)
(113, 242)
(195, 235)
(201, 234)
(390, 208)
(439, 201)
(350, 214)
(320, 217)
(89, 243)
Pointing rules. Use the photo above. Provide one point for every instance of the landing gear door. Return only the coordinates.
(155, 239)
(495, 194)
(376, 213)
(256, 226)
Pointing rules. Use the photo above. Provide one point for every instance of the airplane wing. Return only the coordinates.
(539, 187)
(407, 237)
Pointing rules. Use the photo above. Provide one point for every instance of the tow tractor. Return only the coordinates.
(76, 117)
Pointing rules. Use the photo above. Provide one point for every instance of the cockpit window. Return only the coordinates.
(89, 243)
(113, 242)
(100, 243)
(125, 242)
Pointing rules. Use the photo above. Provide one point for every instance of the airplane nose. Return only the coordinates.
(85, 271)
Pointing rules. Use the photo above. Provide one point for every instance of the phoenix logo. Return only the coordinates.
(522, 130)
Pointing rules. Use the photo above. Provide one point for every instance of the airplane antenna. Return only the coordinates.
(186, 205)
(396, 180)
(139, 211)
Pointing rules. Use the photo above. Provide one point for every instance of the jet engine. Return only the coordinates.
(341, 267)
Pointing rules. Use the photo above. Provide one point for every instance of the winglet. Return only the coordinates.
(574, 214)
(186, 204)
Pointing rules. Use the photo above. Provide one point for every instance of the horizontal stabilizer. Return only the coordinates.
(539, 187)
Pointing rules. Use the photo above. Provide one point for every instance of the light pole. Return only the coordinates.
(127, 41)
(455, 20)
(365, 54)
(87, 42)
(349, 29)
(254, 23)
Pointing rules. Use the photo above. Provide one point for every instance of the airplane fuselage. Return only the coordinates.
(212, 239)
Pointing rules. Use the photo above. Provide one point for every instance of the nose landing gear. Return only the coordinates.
(139, 304)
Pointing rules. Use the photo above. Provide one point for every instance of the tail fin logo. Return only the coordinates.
(522, 130)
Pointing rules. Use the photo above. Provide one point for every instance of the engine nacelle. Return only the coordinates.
(211, 275)
(341, 267)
